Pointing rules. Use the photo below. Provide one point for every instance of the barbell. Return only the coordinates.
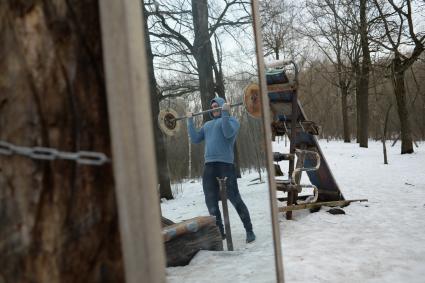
(168, 119)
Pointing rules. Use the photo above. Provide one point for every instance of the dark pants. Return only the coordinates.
(212, 170)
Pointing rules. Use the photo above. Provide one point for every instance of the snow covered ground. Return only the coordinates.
(382, 240)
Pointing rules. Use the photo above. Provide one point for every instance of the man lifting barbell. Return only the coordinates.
(220, 135)
(168, 119)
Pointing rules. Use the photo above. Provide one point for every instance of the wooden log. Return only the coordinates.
(182, 246)
(187, 226)
(316, 204)
(166, 222)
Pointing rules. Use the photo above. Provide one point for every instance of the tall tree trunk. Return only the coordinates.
(356, 69)
(344, 109)
(58, 219)
(364, 79)
(218, 70)
(384, 134)
(160, 145)
(357, 76)
(201, 50)
(237, 161)
(276, 53)
(400, 94)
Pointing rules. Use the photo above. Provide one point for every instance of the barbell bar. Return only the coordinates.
(167, 119)
(208, 111)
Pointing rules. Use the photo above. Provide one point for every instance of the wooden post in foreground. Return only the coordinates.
(132, 140)
(267, 140)
(223, 194)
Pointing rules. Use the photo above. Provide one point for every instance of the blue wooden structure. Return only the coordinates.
(288, 118)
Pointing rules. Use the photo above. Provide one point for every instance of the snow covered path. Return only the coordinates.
(382, 240)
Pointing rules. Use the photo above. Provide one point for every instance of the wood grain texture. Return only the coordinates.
(58, 220)
(267, 141)
(182, 249)
(132, 139)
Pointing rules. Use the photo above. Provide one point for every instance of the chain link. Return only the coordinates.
(46, 153)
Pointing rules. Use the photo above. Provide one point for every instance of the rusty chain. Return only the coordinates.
(46, 153)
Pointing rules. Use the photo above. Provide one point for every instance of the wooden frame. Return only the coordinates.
(132, 140)
(133, 143)
(268, 141)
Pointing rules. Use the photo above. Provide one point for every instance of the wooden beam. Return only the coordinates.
(303, 197)
(317, 204)
(267, 140)
(132, 140)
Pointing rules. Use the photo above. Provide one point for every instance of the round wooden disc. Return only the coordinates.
(167, 123)
(252, 100)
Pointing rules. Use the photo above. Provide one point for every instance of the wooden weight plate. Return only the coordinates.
(252, 100)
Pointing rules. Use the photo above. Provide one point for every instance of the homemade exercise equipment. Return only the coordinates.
(288, 118)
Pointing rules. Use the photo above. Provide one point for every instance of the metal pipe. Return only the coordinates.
(303, 169)
(206, 111)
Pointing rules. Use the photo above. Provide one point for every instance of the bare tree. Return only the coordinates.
(277, 19)
(188, 37)
(333, 36)
(363, 82)
(400, 33)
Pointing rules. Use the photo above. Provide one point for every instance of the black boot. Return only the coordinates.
(250, 236)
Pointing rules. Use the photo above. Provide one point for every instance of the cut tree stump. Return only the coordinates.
(183, 240)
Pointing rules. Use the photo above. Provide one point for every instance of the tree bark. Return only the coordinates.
(58, 219)
(218, 71)
(400, 94)
(356, 67)
(364, 79)
(160, 145)
(344, 109)
(201, 50)
(384, 134)
(276, 53)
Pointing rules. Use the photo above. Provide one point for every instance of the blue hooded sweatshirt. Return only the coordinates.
(219, 135)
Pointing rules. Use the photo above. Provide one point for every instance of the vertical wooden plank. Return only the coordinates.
(292, 195)
(223, 194)
(267, 140)
(132, 140)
